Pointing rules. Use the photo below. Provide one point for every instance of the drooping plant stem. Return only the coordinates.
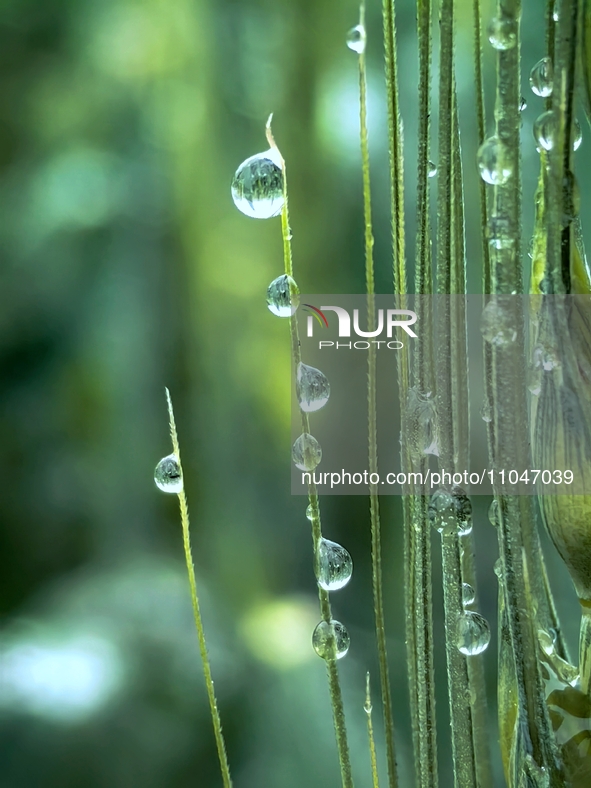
(334, 685)
(184, 509)
(374, 504)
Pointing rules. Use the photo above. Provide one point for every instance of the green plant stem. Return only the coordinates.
(372, 430)
(372, 745)
(184, 509)
(334, 685)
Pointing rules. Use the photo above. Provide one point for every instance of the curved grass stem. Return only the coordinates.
(184, 509)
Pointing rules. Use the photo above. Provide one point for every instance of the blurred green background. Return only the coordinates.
(126, 268)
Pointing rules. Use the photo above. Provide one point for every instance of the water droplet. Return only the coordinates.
(546, 642)
(556, 11)
(283, 296)
(310, 512)
(545, 130)
(356, 39)
(334, 565)
(546, 358)
(541, 78)
(498, 568)
(577, 135)
(167, 475)
(496, 324)
(468, 594)
(306, 452)
(493, 513)
(523, 104)
(494, 162)
(473, 633)
(257, 188)
(420, 425)
(486, 411)
(431, 170)
(324, 633)
(312, 388)
(502, 32)
(499, 233)
(451, 511)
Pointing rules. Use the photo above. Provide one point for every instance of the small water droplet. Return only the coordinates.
(546, 642)
(556, 11)
(541, 78)
(577, 135)
(523, 104)
(324, 633)
(420, 425)
(257, 188)
(356, 39)
(502, 32)
(312, 388)
(486, 411)
(498, 568)
(306, 452)
(451, 512)
(310, 512)
(432, 170)
(493, 513)
(167, 475)
(334, 565)
(496, 324)
(494, 162)
(283, 296)
(473, 633)
(468, 594)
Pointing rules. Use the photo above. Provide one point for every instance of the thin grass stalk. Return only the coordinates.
(377, 585)
(533, 738)
(372, 745)
(184, 510)
(481, 132)
(334, 686)
(420, 644)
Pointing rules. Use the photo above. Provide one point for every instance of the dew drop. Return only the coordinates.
(577, 135)
(545, 130)
(502, 33)
(546, 642)
(473, 633)
(167, 475)
(493, 162)
(451, 512)
(310, 512)
(306, 452)
(496, 325)
(468, 594)
(334, 565)
(431, 170)
(420, 425)
(283, 296)
(257, 188)
(493, 513)
(523, 104)
(312, 388)
(356, 39)
(324, 634)
(486, 411)
(498, 568)
(541, 78)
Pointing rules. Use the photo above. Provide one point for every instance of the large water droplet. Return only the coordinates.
(167, 475)
(356, 39)
(257, 188)
(502, 32)
(334, 565)
(494, 162)
(312, 388)
(420, 425)
(431, 170)
(545, 130)
(322, 636)
(541, 78)
(283, 296)
(468, 594)
(473, 633)
(451, 512)
(306, 452)
(496, 324)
